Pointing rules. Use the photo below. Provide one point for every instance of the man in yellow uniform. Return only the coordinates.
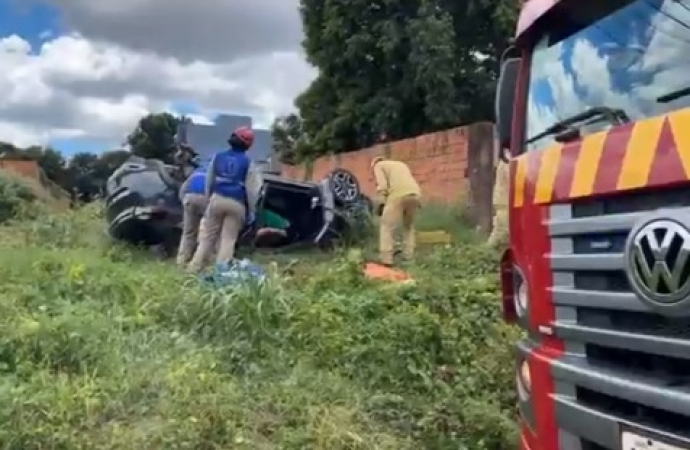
(399, 199)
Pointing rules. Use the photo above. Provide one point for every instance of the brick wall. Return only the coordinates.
(438, 161)
(37, 181)
(20, 167)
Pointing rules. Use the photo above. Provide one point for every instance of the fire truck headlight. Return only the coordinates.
(524, 381)
(521, 296)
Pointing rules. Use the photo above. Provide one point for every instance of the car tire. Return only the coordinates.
(344, 186)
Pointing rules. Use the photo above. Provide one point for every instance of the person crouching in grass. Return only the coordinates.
(399, 200)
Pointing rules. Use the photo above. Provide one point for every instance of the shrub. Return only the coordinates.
(101, 347)
(15, 197)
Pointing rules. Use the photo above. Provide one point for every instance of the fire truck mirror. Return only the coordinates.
(505, 97)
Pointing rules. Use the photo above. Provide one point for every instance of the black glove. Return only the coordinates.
(379, 210)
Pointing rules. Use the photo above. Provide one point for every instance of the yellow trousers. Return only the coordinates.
(194, 206)
(223, 220)
(398, 212)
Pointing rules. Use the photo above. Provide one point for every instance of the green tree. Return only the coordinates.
(49, 160)
(154, 137)
(80, 167)
(91, 172)
(82, 163)
(88, 172)
(98, 166)
(108, 162)
(8, 150)
(290, 143)
(400, 68)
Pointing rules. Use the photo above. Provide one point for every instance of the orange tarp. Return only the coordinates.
(381, 272)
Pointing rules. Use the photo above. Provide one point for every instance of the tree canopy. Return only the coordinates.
(154, 137)
(85, 172)
(399, 68)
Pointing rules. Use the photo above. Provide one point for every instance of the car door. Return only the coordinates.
(328, 206)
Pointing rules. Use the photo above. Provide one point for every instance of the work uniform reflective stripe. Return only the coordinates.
(228, 180)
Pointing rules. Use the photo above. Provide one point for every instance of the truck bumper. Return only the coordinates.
(560, 416)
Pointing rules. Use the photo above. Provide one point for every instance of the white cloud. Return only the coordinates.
(25, 135)
(72, 86)
(46, 34)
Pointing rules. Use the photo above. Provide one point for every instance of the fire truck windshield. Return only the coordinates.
(626, 60)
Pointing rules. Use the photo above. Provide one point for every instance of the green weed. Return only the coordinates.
(104, 348)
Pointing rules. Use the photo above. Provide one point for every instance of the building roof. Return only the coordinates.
(208, 139)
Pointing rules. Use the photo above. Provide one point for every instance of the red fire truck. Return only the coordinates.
(593, 114)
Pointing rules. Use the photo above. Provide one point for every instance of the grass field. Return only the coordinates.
(103, 347)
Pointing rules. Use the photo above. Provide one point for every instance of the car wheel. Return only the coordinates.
(344, 185)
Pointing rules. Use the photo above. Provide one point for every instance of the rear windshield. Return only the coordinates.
(624, 59)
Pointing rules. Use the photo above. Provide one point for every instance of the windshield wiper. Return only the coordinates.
(591, 115)
(673, 95)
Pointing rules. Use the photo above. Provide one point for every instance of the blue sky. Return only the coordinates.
(35, 24)
(28, 21)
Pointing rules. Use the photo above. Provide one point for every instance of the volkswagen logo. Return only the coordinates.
(658, 264)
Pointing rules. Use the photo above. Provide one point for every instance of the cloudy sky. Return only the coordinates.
(77, 74)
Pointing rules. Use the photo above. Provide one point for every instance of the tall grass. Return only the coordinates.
(102, 347)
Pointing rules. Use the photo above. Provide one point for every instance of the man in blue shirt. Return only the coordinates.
(232, 188)
(193, 197)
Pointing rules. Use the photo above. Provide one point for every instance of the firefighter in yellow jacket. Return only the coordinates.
(398, 203)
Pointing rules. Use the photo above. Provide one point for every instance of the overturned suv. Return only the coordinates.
(143, 206)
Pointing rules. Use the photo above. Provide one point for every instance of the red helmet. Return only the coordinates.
(242, 137)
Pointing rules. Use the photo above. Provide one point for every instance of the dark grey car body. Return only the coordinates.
(143, 207)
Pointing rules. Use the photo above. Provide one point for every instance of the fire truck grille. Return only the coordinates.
(633, 412)
(635, 322)
(624, 361)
